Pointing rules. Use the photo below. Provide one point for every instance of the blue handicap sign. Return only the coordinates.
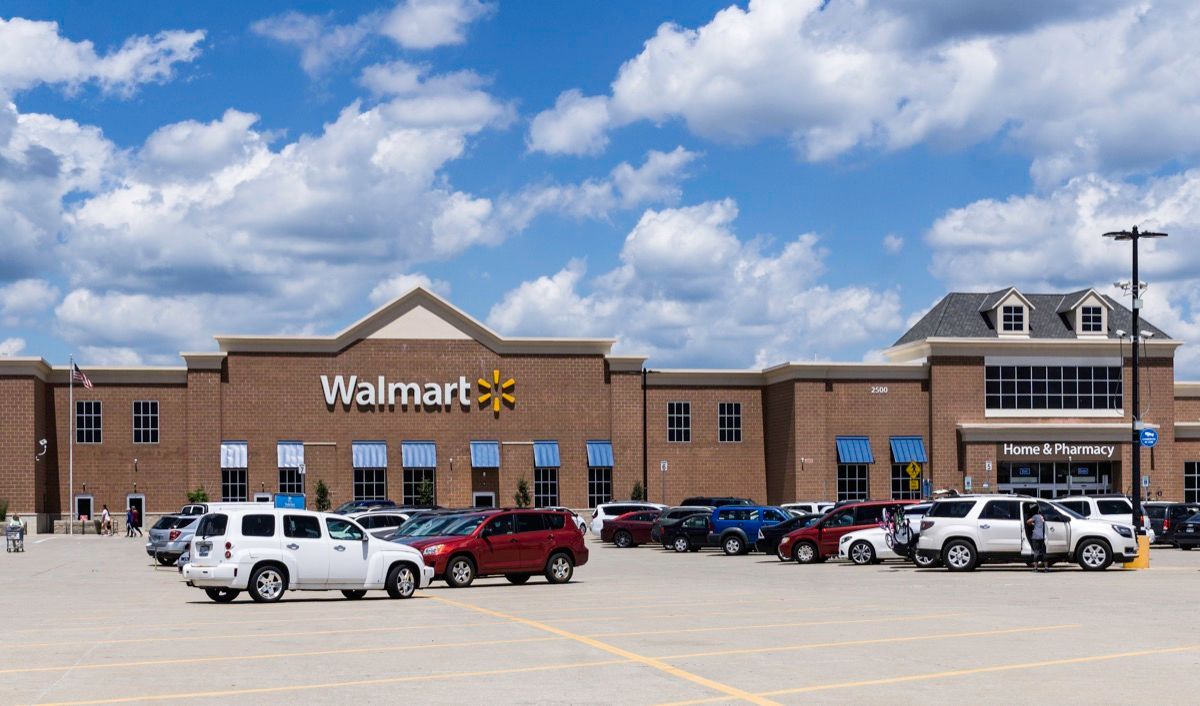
(1149, 438)
(290, 501)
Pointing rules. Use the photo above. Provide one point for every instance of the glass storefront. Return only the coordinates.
(1049, 479)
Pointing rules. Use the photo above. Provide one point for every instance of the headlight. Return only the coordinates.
(433, 549)
(845, 539)
(785, 540)
(1123, 530)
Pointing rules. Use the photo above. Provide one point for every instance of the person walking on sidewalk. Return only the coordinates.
(137, 521)
(105, 521)
(1037, 538)
(129, 522)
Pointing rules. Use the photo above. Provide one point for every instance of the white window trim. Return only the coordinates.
(133, 422)
(1080, 333)
(740, 426)
(689, 421)
(1022, 332)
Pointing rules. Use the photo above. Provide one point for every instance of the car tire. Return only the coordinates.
(266, 584)
(733, 545)
(221, 595)
(517, 579)
(460, 572)
(402, 581)
(165, 559)
(925, 562)
(960, 555)
(623, 539)
(862, 553)
(681, 544)
(560, 568)
(779, 553)
(1185, 547)
(1094, 555)
(805, 553)
(354, 595)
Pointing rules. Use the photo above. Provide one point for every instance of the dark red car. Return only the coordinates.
(819, 541)
(630, 529)
(515, 544)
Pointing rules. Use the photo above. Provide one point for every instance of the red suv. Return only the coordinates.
(514, 543)
(819, 541)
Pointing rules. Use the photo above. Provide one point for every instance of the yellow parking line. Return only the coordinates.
(872, 641)
(810, 623)
(276, 655)
(957, 673)
(729, 691)
(339, 685)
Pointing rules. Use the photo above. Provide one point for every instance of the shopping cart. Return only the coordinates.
(14, 539)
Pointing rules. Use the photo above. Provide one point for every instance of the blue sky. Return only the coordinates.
(714, 183)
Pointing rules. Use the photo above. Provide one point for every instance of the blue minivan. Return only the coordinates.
(735, 527)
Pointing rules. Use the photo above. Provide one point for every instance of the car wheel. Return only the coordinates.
(1185, 547)
(165, 559)
(960, 555)
(354, 595)
(924, 562)
(805, 553)
(221, 595)
(779, 553)
(266, 584)
(733, 545)
(560, 568)
(681, 544)
(517, 579)
(862, 553)
(402, 581)
(1094, 555)
(623, 539)
(460, 572)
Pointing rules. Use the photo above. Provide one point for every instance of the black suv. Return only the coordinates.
(716, 502)
(1166, 518)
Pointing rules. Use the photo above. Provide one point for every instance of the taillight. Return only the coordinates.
(926, 524)
(228, 546)
(173, 535)
(1166, 524)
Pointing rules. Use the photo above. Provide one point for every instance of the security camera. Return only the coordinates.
(1146, 334)
(1121, 333)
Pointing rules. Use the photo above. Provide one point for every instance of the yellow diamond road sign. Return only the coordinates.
(913, 469)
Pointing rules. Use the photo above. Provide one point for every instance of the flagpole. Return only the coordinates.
(71, 445)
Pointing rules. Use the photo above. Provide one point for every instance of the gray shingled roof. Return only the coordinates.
(958, 315)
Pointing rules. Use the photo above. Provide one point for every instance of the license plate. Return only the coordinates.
(1189, 529)
(203, 549)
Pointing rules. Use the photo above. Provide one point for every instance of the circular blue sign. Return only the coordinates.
(1149, 438)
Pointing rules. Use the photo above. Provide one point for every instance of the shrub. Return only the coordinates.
(323, 503)
(521, 497)
(199, 495)
(639, 493)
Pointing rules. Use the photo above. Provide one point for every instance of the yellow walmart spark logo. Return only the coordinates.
(496, 392)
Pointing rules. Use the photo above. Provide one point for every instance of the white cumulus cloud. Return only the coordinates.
(12, 347)
(26, 298)
(576, 125)
(427, 24)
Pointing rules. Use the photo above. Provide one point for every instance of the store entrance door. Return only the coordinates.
(1056, 479)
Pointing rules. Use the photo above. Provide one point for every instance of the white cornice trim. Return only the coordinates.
(1187, 430)
(1041, 431)
(785, 372)
(979, 347)
(418, 296)
(203, 360)
(1187, 388)
(625, 363)
(61, 375)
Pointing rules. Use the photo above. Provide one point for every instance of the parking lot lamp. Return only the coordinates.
(1136, 287)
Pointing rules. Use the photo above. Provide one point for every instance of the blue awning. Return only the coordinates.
(600, 454)
(854, 449)
(418, 454)
(234, 454)
(291, 454)
(545, 454)
(906, 449)
(485, 454)
(369, 454)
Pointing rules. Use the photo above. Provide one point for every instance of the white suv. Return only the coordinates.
(964, 532)
(613, 510)
(266, 551)
(1116, 508)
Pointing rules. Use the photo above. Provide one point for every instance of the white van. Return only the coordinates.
(265, 551)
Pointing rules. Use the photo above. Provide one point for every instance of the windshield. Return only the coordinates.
(440, 526)
(212, 525)
(1065, 510)
(165, 522)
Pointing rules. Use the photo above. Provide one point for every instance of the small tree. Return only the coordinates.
(199, 495)
(323, 503)
(639, 493)
(425, 494)
(3, 509)
(521, 497)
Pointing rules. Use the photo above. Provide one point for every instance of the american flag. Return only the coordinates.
(77, 374)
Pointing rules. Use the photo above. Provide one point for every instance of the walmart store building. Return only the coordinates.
(1021, 392)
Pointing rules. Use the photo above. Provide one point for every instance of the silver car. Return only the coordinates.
(170, 537)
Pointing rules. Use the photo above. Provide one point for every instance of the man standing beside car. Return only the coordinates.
(1037, 538)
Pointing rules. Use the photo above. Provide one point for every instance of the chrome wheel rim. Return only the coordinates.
(804, 552)
(681, 544)
(269, 584)
(406, 582)
(860, 553)
(958, 556)
(622, 540)
(461, 571)
(560, 567)
(1094, 555)
(922, 561)
(732, 546)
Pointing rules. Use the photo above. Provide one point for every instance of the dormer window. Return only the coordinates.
(1091, 319)
(1012, 319)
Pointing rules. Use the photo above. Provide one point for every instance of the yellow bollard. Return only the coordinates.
(1143, 558)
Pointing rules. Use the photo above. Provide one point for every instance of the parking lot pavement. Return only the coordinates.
(88, 620)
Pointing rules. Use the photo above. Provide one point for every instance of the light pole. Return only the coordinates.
(1133, 236)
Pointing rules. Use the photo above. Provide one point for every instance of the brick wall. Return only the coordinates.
(17, 443)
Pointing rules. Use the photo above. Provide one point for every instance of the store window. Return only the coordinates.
(1191, 482)
(1091, 319)
(679, 421)
(145, 422)
(729, 421)
(599, 486)
(291, 480)
(1012, 318)
(853, 481)
(88, 422)
(418, 482)
(902, 488)
(545, 487)
(1053, 387)
(233, 485)
(370, 483)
